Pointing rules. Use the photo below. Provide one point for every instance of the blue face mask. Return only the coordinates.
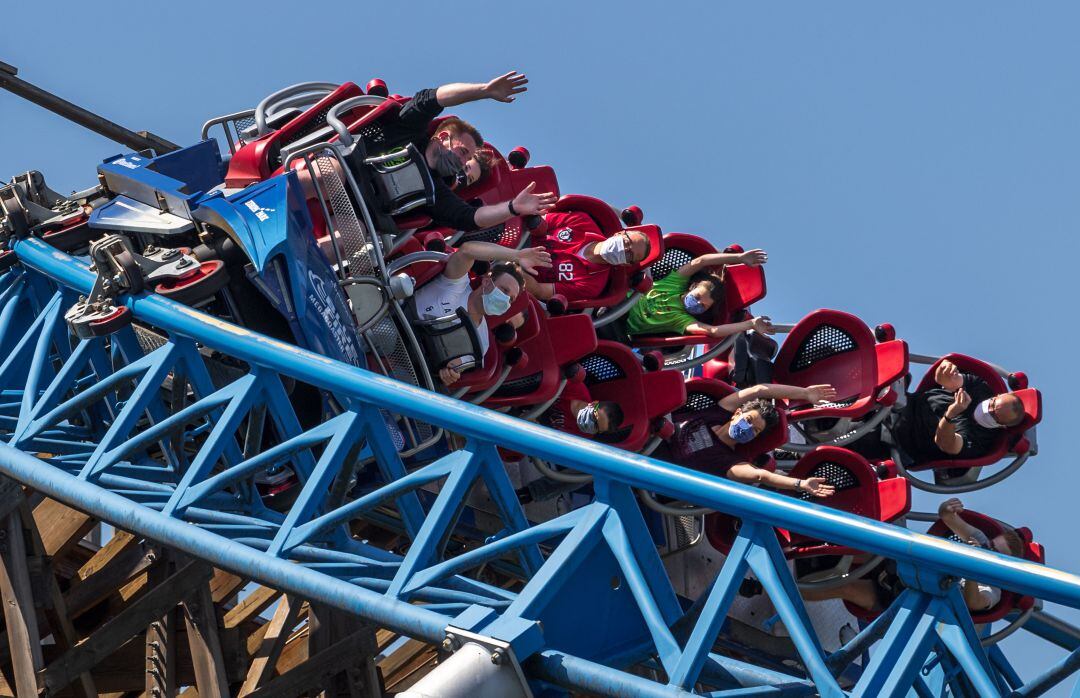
(693, 305)
(742, 431)
(586, 420)
(496, 302)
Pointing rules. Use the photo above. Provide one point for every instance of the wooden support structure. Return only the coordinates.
(131, 619)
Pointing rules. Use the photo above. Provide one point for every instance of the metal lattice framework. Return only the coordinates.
(154, 438)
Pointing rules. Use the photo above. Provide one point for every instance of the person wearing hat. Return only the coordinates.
(582, 258)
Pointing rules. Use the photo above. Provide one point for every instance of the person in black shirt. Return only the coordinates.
(958, 419)
(453, 144)
(707, 440)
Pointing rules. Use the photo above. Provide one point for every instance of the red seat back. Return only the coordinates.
(1033, 552)
(258, 159)
(706, 393)
(551, 343)
(615, 373)
(743, 286)
(605, 217)
(833, 347)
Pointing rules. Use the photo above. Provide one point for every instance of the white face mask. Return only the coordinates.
(612, 250)
(982, 415)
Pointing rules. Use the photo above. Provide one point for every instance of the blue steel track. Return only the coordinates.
(119, 463)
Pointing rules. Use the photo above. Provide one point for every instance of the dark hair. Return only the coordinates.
(767, 410)
(507, 268)
(1013, 540)
(716, 291)
(614, 413)
(484, 158)
(457, 126)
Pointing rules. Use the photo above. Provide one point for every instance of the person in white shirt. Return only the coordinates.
(498, 289)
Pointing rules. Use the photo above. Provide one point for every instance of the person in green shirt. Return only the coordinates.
(676, 303)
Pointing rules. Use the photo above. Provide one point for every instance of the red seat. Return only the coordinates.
(502, 184)
(837, 348)
(1033, 552)
(1010, 440)
(615, 373)
(743, 286)
(858, 491)
(258, 160)
(552, 344)
(706, 393)
(621, 279)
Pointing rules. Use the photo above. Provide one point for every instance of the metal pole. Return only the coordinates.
(143, 140)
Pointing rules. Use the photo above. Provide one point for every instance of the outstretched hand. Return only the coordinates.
(950, 507)
(504, 87)
(948, 376)
(762, 325)
(753, 258)
(816, 394)
(531, 259)
(960, 402)
(818, 486)
(528, 204)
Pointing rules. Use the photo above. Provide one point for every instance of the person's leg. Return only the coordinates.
(862, 592)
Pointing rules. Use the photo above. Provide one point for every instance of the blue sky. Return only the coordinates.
(913, 163)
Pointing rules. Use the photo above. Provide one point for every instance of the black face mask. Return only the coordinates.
(448, 165)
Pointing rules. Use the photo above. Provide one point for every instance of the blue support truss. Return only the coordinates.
(149, 429)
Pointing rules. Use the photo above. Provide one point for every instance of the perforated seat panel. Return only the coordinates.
(672, 259)
(823, 342)
(835, 474)
(699, 402)
(520, 386)
(600, 369)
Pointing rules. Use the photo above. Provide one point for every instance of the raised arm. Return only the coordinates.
(946, 437)
(501, 89)
(776, 391)
(759, 324)
(461, 261)
(750, 475)
(526, 203)
(751, 258)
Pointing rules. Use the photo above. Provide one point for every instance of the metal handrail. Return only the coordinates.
(314, 88)
(333, 119)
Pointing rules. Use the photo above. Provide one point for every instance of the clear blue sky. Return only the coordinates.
(915, 164)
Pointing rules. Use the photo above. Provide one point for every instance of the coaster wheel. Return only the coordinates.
(117, 319)
(197, 285)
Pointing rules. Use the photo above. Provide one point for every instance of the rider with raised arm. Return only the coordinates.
(677, 302)
(707, 440)
(582, 258)
(957, 419)
(451, 290)
(453, 144)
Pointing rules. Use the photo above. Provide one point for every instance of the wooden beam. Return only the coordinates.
(20, 616)
(106, 555)
(250, 606)
(317, 670)
(201, 622)
(327, 626)
(224, 585)
(111, 569)
(61, 526)
(159, 643)
(130, 622)
(56, 612)
(277, 632)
